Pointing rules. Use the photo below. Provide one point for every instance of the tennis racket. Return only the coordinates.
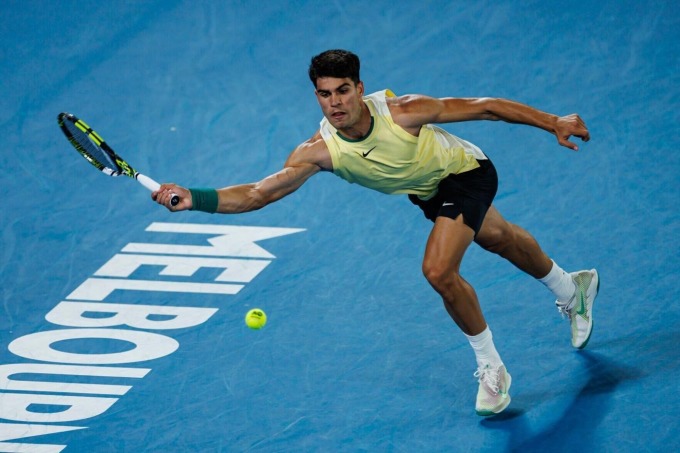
(97, 152)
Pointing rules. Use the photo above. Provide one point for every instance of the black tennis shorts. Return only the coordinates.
(470, 193)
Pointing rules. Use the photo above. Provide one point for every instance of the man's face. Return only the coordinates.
(340, 101)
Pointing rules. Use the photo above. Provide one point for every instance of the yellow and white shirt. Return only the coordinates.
(390, 160)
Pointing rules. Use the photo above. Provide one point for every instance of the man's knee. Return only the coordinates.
(440, 276)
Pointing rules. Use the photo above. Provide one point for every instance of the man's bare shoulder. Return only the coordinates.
(407, 110)
(312, 151)
(414, 104)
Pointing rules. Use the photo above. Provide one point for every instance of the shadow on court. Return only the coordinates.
(577, 427)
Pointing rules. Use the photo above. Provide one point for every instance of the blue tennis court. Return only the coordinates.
(121, 324)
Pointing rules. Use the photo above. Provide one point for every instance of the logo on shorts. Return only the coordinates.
(447, 204)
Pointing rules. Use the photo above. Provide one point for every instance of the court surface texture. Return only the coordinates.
(122, 324)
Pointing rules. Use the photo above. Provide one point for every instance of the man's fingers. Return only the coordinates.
(163, 195)
(566, 143)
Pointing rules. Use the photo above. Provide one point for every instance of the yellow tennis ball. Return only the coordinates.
(256, 318)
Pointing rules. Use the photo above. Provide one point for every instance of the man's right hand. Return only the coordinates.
(164, 195)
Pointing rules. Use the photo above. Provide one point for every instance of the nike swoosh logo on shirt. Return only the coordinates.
(368, 152)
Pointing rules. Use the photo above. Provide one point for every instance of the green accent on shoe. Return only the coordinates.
(582, 305)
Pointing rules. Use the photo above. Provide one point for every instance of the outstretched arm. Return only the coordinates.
(300, 166)
(412, 112)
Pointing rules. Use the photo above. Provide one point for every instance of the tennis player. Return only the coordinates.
(391, 144)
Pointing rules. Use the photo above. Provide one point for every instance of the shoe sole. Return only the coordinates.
(502, 407)
(592, 320)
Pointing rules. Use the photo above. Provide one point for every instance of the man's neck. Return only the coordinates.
(361, 128)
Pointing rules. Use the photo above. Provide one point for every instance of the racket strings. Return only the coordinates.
(88, 143)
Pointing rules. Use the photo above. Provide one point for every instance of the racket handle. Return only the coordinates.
(153, 186)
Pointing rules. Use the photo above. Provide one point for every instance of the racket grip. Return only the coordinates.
(153, 186)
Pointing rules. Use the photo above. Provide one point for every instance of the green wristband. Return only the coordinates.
(204, 200)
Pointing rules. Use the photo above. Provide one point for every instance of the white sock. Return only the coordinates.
(559, 282)
(485, 351)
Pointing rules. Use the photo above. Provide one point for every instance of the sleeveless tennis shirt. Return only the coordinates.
(390, 160)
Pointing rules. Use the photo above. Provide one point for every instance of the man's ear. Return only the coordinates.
(360, 88)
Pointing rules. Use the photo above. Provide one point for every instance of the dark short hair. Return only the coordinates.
(335, 63)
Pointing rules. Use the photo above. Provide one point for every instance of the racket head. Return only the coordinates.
(92, 146)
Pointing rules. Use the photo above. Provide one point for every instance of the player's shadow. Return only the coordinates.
(576, 428)
(586, 410)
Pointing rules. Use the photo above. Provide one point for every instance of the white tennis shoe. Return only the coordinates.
(579, 309)
(494, 384)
